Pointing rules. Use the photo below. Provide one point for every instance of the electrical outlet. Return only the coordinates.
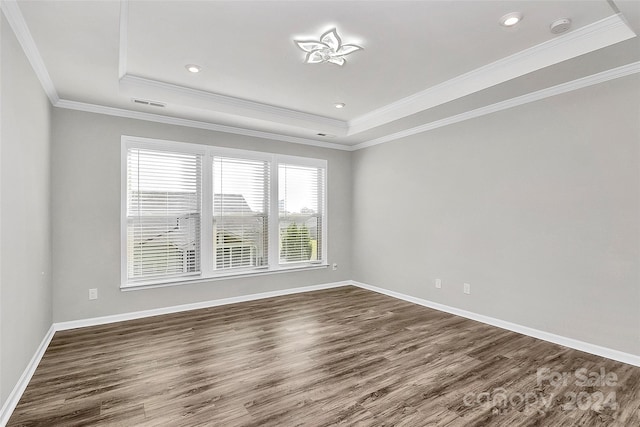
(334, 266)
(467, 288)
(438, 283)
(93, 293)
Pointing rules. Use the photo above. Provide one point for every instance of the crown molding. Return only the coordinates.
(158, 118)
(587, 81)
(14, 16)
(583, 82)
(605, 32)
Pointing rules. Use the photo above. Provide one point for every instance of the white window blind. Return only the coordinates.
(301, 213)
(240, 213)
(163, 214)
(193, 212)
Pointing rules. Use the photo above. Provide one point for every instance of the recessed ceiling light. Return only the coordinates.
(192, 68)
(340, 104)
(511, 19)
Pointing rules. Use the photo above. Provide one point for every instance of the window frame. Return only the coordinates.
(295, 161)
(208, 152)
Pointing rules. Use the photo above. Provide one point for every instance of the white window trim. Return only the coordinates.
(206, 262)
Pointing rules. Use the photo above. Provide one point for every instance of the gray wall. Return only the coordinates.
(25, 273)
(86, 217)
(537, 207)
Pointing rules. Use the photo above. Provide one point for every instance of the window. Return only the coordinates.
(240, 212)
(300, 203)
(163, 214)
(193, 212)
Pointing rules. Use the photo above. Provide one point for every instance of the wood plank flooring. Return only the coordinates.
(343, 356)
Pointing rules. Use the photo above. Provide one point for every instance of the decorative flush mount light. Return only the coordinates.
(328, 49)
(192, 68)
(340, 104)
(511, 19)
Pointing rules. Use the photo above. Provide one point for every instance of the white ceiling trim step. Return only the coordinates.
(158, 118)
(605, 32)
(12, 12)
(583, 82)
(612, 27)
(597, 35)
(140, 87)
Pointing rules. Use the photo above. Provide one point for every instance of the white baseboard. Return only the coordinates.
(597, 350)
(73, 324)
(16, 393)
(13, 399)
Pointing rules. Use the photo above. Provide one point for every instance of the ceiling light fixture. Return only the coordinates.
(192, 68)
(511, 19)
(340, 104)
(328, 49)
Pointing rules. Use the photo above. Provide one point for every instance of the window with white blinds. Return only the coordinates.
(163, 214)
(194, 212)
(300, 209)
(240, 213)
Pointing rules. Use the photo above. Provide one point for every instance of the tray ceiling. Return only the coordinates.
(422, 60)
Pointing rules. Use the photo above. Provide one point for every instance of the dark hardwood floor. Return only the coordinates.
(344, 356)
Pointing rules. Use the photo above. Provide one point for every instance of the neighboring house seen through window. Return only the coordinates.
(240, 212)
(163, 214)
(194, 212)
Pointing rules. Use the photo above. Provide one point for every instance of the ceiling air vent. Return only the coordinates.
(150, 103)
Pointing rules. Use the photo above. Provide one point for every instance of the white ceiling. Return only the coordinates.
(422, 60)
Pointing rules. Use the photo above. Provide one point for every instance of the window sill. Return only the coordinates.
(226, 276)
